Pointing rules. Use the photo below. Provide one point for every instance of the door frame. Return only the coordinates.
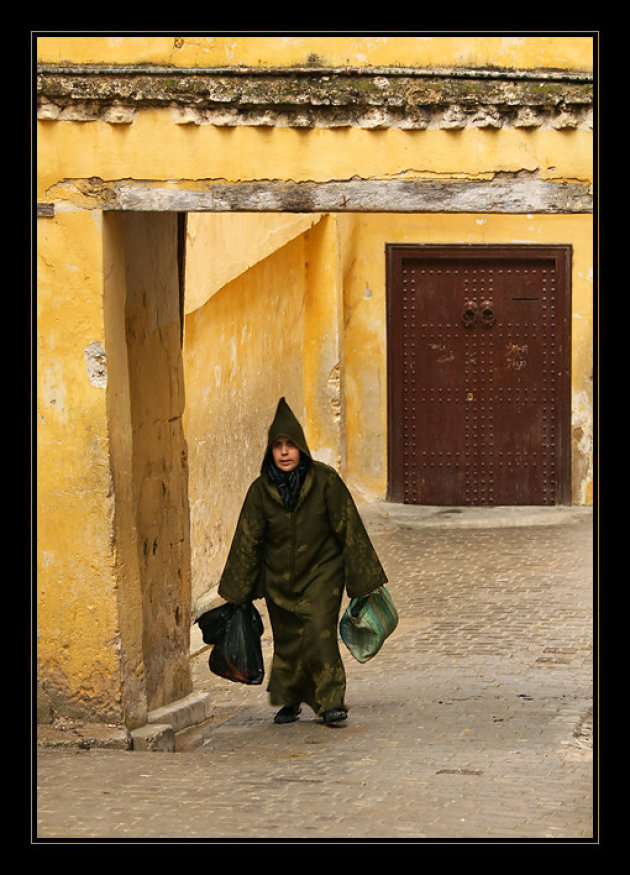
(562, 253)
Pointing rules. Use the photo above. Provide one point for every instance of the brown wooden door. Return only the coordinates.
(479, 374)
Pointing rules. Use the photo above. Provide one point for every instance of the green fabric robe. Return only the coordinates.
(300, 563)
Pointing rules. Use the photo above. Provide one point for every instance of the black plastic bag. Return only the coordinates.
(212, 623)
(235, 631)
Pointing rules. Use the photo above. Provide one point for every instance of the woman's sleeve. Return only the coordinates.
(240, 581)
(363, 570)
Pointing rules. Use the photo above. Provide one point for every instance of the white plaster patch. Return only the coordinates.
(96, 359)
(582, 427)
(325, 455)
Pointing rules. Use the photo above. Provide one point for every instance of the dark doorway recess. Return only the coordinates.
(479, 369)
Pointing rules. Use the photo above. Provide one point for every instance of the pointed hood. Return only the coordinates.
(285, 424)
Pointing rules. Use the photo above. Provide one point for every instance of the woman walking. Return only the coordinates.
(298, 542)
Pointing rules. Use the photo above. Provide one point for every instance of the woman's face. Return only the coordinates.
(285, 454)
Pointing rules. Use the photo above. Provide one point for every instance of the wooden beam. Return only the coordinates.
(500, 195)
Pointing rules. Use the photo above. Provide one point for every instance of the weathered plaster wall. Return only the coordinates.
(78, 657)
(286, 153)
(323, 345)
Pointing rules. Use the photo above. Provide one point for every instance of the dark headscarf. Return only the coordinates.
(288, 483)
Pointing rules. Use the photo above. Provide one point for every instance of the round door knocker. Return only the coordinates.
(487, 317)
(469, 315)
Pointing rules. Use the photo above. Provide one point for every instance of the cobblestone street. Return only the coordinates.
(473, 723)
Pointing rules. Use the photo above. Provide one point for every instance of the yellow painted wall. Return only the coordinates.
(572, 52)
(75, 563)
(222, 246)
(68, 151)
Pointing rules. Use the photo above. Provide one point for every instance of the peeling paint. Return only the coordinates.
(582, 440)
(334, 392)
(96, 359)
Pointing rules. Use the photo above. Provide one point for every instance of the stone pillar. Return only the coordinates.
(159, 465)
(113, 572)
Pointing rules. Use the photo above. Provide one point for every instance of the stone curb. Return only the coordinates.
(183, 713)
(163, 723)
(157, 735)
(84, 736)
(154, 737)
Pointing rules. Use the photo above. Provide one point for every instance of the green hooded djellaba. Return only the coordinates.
(298, 542)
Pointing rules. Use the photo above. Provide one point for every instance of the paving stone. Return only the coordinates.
(474, 722)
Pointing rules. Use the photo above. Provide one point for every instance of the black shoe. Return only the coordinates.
(334, 715)
(287, 714)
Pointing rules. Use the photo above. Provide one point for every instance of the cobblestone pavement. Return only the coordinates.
(473, 723)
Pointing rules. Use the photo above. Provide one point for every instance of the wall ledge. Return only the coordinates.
(371, 98)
